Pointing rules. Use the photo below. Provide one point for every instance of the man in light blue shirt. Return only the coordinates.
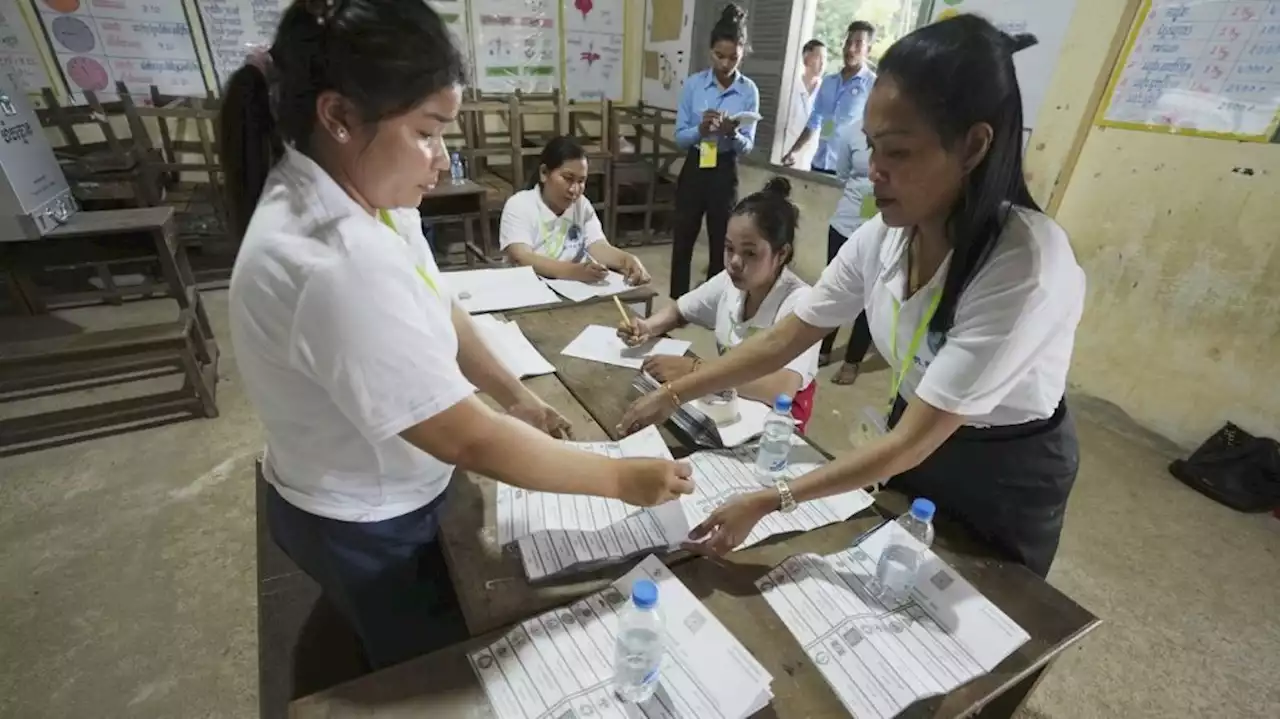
(841, 99)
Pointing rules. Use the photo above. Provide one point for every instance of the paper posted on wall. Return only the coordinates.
(559, 533)
(560, 664)
(878, 659)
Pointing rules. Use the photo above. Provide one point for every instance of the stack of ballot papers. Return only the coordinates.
(511, 347)
(878, 659)
(602, 344)
(612, 284)
(498, 289)
(702, 429)
(560, 533)
(560, 665)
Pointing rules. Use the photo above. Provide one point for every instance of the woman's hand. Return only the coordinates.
(650, 409)
(667, 368)
(542, 417)
(633, 270)
(589, 272)
(710, 124)
(646, 482)
(727, 527)
(635, 333)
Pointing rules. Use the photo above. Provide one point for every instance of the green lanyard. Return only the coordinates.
(385, 218)
(916, 338)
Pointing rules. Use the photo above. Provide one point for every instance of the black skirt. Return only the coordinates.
(1008, 485)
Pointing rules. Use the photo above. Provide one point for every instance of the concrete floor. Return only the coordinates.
(127, 569)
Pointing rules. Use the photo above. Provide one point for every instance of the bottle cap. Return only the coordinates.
(644, 593)
(782, 403)
(922, 509)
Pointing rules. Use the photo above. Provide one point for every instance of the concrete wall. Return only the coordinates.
(1180, 238)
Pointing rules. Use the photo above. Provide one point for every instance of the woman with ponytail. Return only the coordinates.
(360, 364)
(755, 291)
(714, 141)
(972, 295)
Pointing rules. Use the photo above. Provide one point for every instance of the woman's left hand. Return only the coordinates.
(653, 408)
(728, 526)
(542, 417)
(668, 368)
(634, 271)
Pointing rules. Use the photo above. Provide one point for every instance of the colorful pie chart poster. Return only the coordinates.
(141, 43)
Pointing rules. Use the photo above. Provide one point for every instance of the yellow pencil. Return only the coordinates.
(626, 319)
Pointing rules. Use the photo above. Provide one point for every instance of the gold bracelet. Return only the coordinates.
(675, 398)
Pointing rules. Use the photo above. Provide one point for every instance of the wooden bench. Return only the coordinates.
(38, 368)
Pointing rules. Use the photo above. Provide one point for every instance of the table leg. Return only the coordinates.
(468, 241)
(1006, 705)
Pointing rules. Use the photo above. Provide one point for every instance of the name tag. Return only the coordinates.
(868, 208)
(828, 129)
(707, 154)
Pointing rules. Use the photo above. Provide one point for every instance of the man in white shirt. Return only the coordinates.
(814, 60)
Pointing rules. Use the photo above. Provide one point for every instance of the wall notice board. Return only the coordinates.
(1200, 67)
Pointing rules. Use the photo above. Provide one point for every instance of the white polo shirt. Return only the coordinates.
(1005, 360)
(526, 219)
(717, 305)
(342, 344)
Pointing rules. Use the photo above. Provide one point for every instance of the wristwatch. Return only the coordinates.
(786, 500)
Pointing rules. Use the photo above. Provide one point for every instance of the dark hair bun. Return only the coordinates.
(733, 13)
(778, 185)
(1021, 41)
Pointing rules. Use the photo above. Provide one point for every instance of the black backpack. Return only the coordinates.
(1234, 468)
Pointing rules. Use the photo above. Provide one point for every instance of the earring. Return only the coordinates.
(342, 134)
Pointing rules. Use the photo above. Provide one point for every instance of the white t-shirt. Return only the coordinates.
(717, 305)
(342, 344)
(526, 219)
(797, 121)
(1005, 360)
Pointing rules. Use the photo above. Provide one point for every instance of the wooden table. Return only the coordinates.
(466, 202)
(442, 684)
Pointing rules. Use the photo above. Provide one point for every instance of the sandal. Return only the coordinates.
(847, 374)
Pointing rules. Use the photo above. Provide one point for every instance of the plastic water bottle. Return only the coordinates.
(456, 172)
(900, 563)
(639, 649)
(775, 442)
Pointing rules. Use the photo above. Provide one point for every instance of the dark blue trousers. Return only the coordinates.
(373, 573)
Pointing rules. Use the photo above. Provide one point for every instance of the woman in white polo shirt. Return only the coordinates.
(755, 291)
(972, 295)
(553, 228)
(361, 368)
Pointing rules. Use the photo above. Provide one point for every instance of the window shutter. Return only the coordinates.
(768, 32)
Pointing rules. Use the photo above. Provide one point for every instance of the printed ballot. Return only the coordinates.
(560, 664)
(559, 533)
(878, 659)
(602, 344)
(707, 433)
(511, 347)
(498, 289)
(574, 291)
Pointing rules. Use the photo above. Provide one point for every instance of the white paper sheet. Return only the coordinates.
(511, 347)
(557, 533)
(612, 284)
(498, 289)
(602, 344)
(560, 664)
(881, 660)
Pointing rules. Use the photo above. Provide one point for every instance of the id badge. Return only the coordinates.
(828, 129)
(868, 208)
(871, 424)
(707, 154)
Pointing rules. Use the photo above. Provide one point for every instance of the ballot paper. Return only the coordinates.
(694, 422)
(746, 117)
(560, 664)
(511, 347)
(612, 284)
(559, 533)
(498, 289)
(879, 660)
(602, 344)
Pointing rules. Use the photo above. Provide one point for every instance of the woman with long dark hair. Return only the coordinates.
(361, 366)
(710, 125)
(972, 295)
